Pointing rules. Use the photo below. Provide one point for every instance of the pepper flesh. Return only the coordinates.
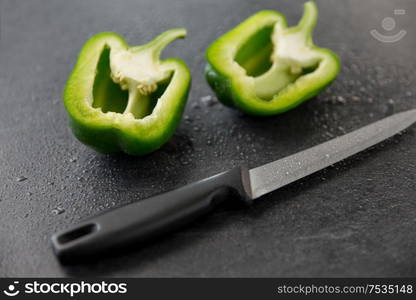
(123, 98)
(263, 67)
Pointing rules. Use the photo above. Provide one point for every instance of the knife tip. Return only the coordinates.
(411, 112)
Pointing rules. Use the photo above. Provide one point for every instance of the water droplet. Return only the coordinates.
(389, 108)
(58, 211)
(29, 194)
(187, 118)
(341, 99)
(195, 105)
(73, 159)
(208, 100)
(21, 178)
(184, 162)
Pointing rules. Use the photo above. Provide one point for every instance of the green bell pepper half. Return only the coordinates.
(125, 98)
(264, 67)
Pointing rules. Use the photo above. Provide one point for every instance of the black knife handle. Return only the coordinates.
(142, 220)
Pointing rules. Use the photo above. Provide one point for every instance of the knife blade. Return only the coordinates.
(277, 174)
(143, 220)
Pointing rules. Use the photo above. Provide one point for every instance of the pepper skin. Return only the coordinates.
(124, 98)
(263, 67)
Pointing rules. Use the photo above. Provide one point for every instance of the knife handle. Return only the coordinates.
(146, 219)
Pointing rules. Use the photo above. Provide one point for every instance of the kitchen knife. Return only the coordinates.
(145, 219)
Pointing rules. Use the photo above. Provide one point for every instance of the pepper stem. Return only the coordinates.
(159, 43)
(292, 55)
(308, 21)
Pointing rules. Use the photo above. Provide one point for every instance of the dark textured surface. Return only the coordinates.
(355, 219)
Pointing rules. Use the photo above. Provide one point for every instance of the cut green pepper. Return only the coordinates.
(122, 98)
(263, 67)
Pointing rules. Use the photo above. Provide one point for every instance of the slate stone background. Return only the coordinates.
(355, 219)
